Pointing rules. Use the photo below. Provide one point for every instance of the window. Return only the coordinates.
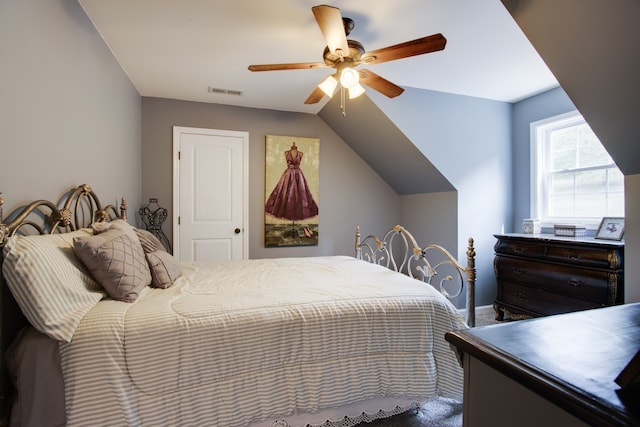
(573, 178)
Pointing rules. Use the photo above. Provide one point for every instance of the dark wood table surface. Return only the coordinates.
(570, 359)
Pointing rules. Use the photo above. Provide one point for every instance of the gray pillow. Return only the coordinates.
(149, 242)
(116, 260)
(165, 269)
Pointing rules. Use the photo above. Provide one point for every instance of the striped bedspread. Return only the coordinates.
(238, 342)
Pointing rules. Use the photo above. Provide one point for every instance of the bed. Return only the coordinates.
(332, 340)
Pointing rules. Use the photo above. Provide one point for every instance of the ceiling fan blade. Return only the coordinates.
(330, 22)
(380, 84)
(415, 47)
(315, 96)
(293, 66)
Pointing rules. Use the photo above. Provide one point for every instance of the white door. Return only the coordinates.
(210, 190)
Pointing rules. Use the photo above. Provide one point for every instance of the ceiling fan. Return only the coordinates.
(345, 55)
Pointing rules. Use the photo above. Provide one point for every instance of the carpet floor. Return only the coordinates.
(440, 412)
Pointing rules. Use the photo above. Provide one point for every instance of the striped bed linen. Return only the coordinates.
(240, 342)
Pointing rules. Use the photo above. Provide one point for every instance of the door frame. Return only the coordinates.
(177, 131)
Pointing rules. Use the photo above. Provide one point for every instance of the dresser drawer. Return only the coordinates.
(538, 275)
(582, 283)
(586, 256)
(598, 256)
(538, 301)
(521, 248)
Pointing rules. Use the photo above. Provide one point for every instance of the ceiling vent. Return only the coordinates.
(225, 91)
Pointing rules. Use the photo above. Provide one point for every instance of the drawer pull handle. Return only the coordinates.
(519, 250)
(573, 256)
(522, 296)
(518, 271)
(575, 282)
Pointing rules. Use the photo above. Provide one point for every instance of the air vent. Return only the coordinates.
(225, 91)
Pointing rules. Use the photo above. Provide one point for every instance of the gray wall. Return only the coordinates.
(68, 113)
(542, 106)
(632, 237)
(351, 193)
(469, 141)
(591, 47)
(431, 218)
(549, 104)
(600, 75)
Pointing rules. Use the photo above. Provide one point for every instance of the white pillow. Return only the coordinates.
(49, 282)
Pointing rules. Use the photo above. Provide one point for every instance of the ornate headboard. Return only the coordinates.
(433, 264)
(78, 208)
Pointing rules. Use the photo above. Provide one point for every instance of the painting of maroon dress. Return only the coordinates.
(291, 199)
(290, 208)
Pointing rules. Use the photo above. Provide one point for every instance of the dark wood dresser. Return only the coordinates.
(551, 371)
(542, 274)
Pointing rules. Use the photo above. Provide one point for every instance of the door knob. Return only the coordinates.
(237, 231)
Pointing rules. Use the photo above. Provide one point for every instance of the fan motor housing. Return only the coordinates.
(356, 50)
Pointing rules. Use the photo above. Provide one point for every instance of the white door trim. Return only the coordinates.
(177, 130)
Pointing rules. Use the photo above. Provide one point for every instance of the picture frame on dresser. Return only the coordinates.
(610, 228)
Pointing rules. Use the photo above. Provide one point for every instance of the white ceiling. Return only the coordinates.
(179, 48)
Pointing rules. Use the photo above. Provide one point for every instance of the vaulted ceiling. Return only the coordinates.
(180, 49)
(194, 49)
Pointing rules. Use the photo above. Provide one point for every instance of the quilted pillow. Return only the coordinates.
(165, 269)
(116, 260)
(149, 242)
(50, 284)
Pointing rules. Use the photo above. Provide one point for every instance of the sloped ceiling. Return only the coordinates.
(375, 138)
(591, 46)
(178, 49)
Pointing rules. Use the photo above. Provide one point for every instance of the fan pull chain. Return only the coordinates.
(343, 101)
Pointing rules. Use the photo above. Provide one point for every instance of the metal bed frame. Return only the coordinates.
(78, 208)
(432, 264)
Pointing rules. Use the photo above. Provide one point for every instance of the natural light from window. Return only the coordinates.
(573, 178)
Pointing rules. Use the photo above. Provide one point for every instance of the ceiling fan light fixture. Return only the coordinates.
(355, 91)
(328, 86)
(349, 77)
(343, 55)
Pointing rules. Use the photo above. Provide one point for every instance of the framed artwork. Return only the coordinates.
(292, 166)
(610, 228)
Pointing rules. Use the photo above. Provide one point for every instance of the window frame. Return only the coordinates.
(538, 196)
